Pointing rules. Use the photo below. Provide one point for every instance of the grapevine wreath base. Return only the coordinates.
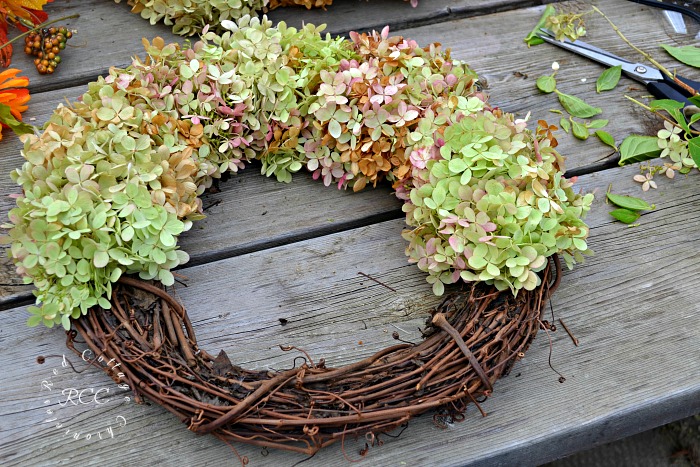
(473, 339)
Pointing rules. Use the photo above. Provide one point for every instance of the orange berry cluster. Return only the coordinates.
(46, 45)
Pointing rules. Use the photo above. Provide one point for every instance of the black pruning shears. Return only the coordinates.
(659, 84)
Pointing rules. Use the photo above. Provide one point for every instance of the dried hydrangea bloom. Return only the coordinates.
(488, 202)
(306, 3)
(113, 180)
(188, 17)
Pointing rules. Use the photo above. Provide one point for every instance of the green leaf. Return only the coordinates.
(57, 207)
(532, 38)
(625, 215)
(609, 79)
(167, 239)
(606, 138)
(666, 104)
(688, 54)
(465, 177)
(477, 262)
(128, 143)
(115, 275)
(99, 219)
(577, 107)
(128, 233)
(15, 125)
(565, 124)
(674, 109)
(596, 123)
(629, 202)
(638, 148)
(547, 84)
(694, 149)
(186, 72)
(579, 130)
(72, 175)
(158, 256)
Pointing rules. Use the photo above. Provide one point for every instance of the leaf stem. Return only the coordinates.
(38, 27)
(656, 112)
(646, 55)
(646, 107)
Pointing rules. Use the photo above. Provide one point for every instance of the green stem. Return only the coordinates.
(646, 55)
(663, 117)
(38, 27)
(639, 103)
(627, 41)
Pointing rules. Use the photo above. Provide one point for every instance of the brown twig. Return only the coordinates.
(377, 281)
(573, 338)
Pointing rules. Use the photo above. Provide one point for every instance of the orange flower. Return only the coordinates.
(15, 98)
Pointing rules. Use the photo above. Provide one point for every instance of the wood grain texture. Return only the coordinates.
(362, 15)
(108, 34)
(632, 306)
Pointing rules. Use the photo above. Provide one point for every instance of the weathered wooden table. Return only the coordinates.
(270, 252)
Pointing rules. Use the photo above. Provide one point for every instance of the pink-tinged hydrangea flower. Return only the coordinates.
(420, 157)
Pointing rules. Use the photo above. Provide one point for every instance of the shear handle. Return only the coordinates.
(692, 84)
(663, 90)
(672, 6)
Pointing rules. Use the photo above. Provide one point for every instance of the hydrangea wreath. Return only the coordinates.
(115, 178)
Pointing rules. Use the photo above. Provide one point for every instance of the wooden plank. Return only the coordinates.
(632, 306)
(362, 15)
(108, 34)
(101, 41)
(493, 46)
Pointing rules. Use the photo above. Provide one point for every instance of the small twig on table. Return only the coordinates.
(375, 280)
(571, 335)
